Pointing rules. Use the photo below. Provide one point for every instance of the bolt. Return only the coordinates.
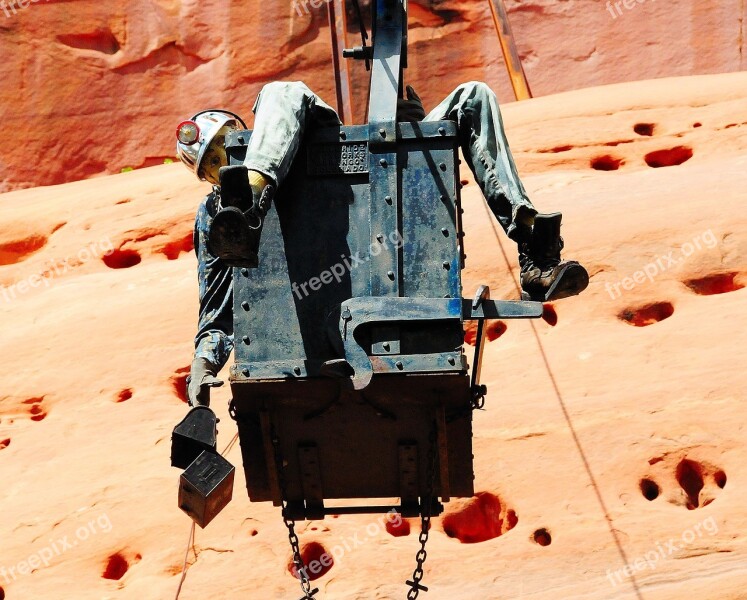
(383, 163)
(245, 272)
(245, 372)
(442, 131)
(343, 135)
(442, 166)
(399, 365)
(388, 199)
(452, 361)
(382, 132)
(390, 274)
(446, 265)
(241, 139)
(245, 305)
(380, 238)
(297, 370)
(246, 339)
(445, 232)
(386, 346)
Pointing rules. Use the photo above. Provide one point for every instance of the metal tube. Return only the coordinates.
(510, 53)
(338, 31)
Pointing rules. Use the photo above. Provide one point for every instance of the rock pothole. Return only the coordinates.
(479, 519)
(16, 251)
(650, 489)
(719, 283)
(670, 157)
(317, 559)
(117, 565)
(124, 395)
(542, 537)
(606, 162)
(648, 314)
(179, 383)
(644, 129)
(122, 259)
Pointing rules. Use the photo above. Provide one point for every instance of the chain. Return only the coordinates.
(298, 562)
(425, 520)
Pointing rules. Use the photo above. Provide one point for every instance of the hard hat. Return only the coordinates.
(193, 137)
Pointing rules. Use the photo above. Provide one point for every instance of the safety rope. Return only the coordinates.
(566, 414)
(191, 540)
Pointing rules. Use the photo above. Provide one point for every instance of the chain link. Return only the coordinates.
(298, 562)
(425, 520)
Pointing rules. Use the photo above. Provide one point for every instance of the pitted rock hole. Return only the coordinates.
(122, 259)
(115, 568)
(316, 557)
(542, 537)
(669, 158)
(606, 163)
(648, 314)
(711, 285)
(650, 489)
(479, 519)
(646, 129)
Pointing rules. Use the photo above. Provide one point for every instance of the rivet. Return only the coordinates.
(388, 199)
(245, 272)
(442, 166)
(247, 340)
(297, 370)
(241, 139)
(383, 163)
(446, 265)
(343, 135)
(442, 131)
(399, 365)
(445, 232)
(386, 346)
(382, 132)
(443, 198)
(380, 237)
(390, 274)
(245, 372)
(245, 305)
(452, 361)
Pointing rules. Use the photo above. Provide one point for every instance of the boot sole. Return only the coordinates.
(233, 240)
(571, 281)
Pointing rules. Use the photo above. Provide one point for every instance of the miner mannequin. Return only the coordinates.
(229, 220)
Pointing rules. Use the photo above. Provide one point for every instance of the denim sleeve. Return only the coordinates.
(214, 339)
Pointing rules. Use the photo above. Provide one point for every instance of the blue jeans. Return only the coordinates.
(284, 109)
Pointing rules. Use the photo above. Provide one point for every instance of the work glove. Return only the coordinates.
(410, 110)
(202, 377)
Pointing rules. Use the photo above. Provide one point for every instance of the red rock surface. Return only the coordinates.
(633, 438)
(92, 87)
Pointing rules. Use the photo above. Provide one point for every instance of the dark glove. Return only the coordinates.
(410, 110)
(202, 377)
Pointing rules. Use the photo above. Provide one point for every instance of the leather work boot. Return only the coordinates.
(236, 230)
(544, 276)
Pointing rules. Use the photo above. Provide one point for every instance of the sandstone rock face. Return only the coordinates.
(93, 87)
(610, 460)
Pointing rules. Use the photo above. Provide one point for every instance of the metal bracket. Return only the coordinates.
(364, 310)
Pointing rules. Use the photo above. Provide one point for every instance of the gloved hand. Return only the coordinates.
(202, 377)
(410, 110)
